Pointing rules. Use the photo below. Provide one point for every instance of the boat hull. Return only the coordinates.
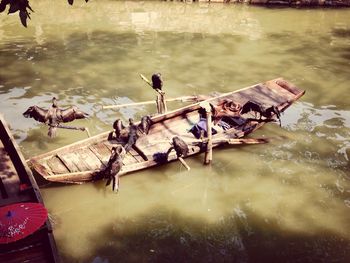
(81, 161)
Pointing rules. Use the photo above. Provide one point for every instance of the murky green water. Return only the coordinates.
(288, 201)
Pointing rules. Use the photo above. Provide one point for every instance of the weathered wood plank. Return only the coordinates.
(135, 155)
(102, 157)
(56, 165)
(79, 161)
(108, 145)
(70, 163)
(102, 152)
(89, 159)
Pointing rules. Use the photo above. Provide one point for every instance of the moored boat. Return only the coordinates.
(82, 161)
(20, 240)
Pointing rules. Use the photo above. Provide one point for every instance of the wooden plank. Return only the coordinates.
(135, 155)
(108, 145)
(69, 162)
(90, 159)
(57, 166)
(209, 150)
(129, 159)
(101, 151)
(102, 157)
(79, 162)
(41, 168)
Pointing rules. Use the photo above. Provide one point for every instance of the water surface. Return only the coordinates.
(287, 201)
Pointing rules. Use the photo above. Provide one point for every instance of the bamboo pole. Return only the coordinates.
(193, 98)
(232, 141)
(159, 105)
(163, 101)
(184, 163)
(209, 151)
(133, 104)
(146, 80)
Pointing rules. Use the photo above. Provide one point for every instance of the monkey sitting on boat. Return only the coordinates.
(267, 113)
(114, 165)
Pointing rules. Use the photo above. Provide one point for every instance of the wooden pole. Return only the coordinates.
(162, 99)
(146, 80)
(159, 104)
(135, 104)
(232, 141)
(184, 163)
(209, 151)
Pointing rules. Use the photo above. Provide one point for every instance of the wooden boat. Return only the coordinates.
(18, 185)
(81, 161)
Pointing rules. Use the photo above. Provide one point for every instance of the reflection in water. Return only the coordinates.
(287, 201)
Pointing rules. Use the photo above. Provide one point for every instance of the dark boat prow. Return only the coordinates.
(17, 185)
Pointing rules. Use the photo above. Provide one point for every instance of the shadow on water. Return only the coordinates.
(161, 235)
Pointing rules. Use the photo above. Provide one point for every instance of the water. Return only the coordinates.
(288, 201)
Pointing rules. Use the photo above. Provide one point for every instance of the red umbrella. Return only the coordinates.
(20, 220)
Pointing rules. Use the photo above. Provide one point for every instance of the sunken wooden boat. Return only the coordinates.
(81, 161)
